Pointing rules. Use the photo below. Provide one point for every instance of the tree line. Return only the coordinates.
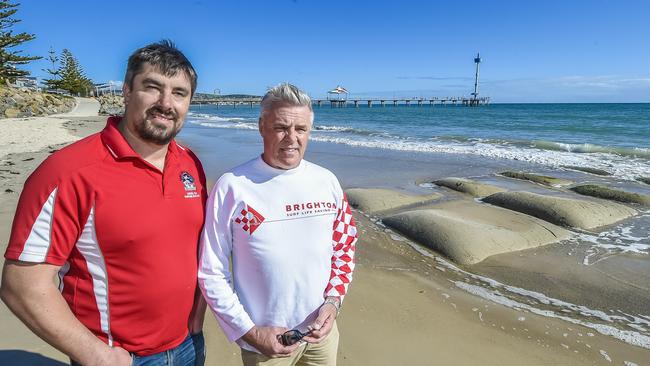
(65, 73)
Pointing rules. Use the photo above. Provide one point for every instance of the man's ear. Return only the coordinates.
(126, 93)
(259, 124)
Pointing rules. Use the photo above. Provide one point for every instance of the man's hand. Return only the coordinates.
(265, 340)
(112, 356)
(195, 324)
(322, 326)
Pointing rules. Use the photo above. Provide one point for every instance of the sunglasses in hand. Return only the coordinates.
(292, 336)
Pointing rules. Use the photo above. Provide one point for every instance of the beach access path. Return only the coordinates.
(20, 135)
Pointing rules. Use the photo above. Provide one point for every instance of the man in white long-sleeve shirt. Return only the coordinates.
(278, 244)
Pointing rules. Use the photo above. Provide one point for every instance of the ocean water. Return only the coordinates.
(613, 137)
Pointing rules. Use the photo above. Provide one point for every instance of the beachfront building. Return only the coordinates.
(110, 88)
(28, 82)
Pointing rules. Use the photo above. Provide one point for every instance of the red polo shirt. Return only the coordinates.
(124, 233)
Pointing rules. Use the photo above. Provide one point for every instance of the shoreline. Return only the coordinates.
(402, 302)
(556, 136)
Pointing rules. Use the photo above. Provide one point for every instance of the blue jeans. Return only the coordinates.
(189, 353)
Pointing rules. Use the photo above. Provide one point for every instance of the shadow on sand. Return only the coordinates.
(25, 358)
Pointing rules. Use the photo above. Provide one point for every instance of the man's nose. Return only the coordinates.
(291, 135)
(165, 99)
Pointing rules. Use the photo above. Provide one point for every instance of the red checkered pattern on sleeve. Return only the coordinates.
(344, 239)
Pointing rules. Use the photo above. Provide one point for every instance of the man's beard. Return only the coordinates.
(148, 131)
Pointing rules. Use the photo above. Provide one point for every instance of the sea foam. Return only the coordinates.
(624, 163)
(622, 167)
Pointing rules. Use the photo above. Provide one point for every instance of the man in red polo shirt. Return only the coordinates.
(117, 216)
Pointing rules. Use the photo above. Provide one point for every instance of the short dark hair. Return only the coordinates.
(163, 56)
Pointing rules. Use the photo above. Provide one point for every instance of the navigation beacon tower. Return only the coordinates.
(477, 61)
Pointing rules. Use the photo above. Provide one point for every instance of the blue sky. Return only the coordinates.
(533, 51)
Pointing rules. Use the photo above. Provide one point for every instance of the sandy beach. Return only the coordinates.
(407, 304)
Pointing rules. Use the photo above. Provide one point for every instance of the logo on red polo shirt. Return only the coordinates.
(188, 184)
(188, 181)
(249, 219)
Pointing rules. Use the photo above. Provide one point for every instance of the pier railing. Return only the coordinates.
(402, 101)
(335, 103)
(227, 102)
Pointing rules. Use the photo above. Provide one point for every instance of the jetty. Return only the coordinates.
(369, 102)
(339, 98)
(233, 102)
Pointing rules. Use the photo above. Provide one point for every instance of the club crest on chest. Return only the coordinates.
(249, 219)
(188, 181)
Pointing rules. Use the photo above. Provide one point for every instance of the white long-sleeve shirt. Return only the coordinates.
(289, 235)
